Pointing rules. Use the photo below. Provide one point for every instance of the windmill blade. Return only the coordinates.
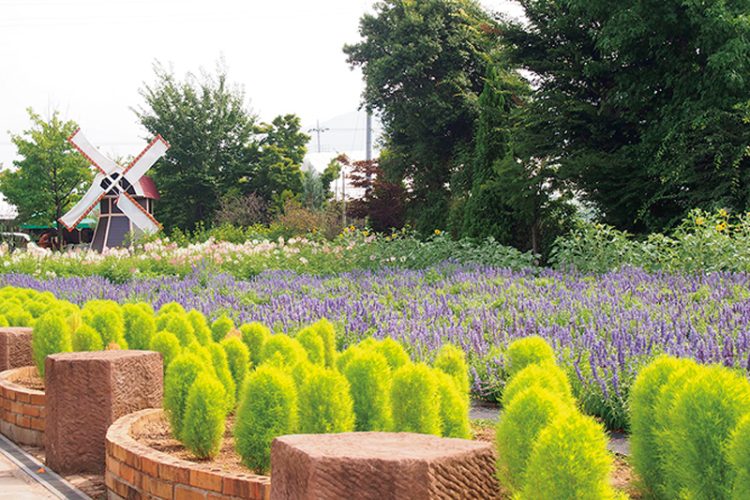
(137, 214)
(146, 159)
(82, 144)
(81, 209)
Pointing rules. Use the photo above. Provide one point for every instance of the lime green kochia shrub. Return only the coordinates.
(546, 375)
(393, 351)
(327, 333)
(254, 335)
(167, 344)
(140, 325)
(51, 334)
(645, 445)
(452, 361)
(182, 328)
(281, 348)
(106, 317)
(17, 316)
(312, 342)
(369, 377)
(739, 458)
(181, 373)
(267, 409)
(220, 327)
(415, 400)
(86, 338)
(238, 358)
(454, 408)
(518, 428)
(705, 412)
(200, 326)
(325, 403)
(569, 460)
(526, 351)
(204, 421)
(221, 369)
(170, 308)
(3, 321)
(342, 360)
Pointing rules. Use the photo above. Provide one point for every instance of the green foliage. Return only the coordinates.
(452, 361)
(393, 352)
(106, 317)
(454, 408)
(342, 360)
(268, 409)
(547, 376)
(517, 431)
(415, 399)
(369, 376)
(238, 358)
(569, 460)
(139, 326)
(705, 412)
(738, 454)
(170, 308)
(528, 350)
(200, 326)
(51, 334)
(50, 175)
(313, 344)
(180, 325)
(3, 321)
(203, 426)
(221, 368)
(220, 327)
(167, 344)
(327, 333)
(254, 335)
(325, 403)
(283, 349)
(86, 338)
(181, 373)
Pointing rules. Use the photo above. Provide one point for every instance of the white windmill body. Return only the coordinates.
(125, 194)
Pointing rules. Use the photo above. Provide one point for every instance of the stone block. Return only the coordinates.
(380, 466)
(88, 391)
(15, 347)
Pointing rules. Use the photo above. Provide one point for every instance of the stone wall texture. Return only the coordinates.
(136, 471)
(15, 347)
(22, 414)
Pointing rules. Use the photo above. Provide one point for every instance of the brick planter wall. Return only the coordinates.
(136, 471)
(21, 410)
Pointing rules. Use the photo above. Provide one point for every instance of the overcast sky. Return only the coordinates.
(88, 58)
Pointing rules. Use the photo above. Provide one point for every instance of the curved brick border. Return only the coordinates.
(136, 471)
(21, 409)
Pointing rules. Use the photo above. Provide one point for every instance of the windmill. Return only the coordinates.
(126, 194)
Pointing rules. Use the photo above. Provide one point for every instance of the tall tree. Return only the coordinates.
(50, 176)
(423, 63)
(641, 104)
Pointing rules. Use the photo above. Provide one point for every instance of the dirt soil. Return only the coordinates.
(29, 380)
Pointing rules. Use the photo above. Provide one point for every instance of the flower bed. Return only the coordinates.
(22, 409)
(135, 470)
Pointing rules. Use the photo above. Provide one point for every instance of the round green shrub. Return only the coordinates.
(204, 422)
(268, 409)
(171, 308)
(105, 316)
(181, 373)
(181, 327)
(454, 408)
(570, 460)
(238, 357)
(140, 326)
(167, 344)
(393, 351)
(51, 334)
(285, 349)
(706, 411)
(3, 321)
(87, 339)
(645, 446)
(739, 457)
(415, 400)
(17, 316)
(221, 368)
(312, 342)
(452, 360)
(254, 335)
(546, 375)
(369, 376)
(526, 351)
(518, 428)
(327, 333)
(325, 403)
(342, 360)
(220, 327)
(200, 326)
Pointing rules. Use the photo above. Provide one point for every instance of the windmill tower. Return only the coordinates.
(125, 194)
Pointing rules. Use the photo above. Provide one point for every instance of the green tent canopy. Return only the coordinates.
(86, 223)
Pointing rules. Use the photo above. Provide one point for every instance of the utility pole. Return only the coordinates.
(317, 129)
(368, 136)
(343, 193)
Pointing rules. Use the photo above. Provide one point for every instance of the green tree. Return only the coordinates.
(643, 106)
(423, 64)
(50, 175)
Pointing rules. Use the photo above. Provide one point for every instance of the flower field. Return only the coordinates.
(604, 328)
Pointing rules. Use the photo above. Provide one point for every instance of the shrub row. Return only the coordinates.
(690, 428)
(547, 449)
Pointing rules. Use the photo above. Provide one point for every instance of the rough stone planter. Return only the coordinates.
(136, 471)
(22, 410)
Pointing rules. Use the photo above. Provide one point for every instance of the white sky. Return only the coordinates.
(88, 58)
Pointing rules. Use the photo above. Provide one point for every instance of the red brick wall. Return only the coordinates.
(135, 470)
(21, 410)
